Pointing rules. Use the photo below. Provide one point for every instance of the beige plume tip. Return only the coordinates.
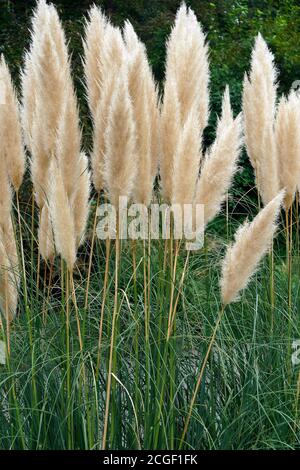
(252, 241)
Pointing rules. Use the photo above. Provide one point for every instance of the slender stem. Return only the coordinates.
(68, 372)
(200, 376)
(227, 216)
(32, 232)
(27, 309)
(112, 344)
(272, 289)
(91, 256)
(22, 251)
(7, 315)
(297, 225)
(46, 301)
(105, 283)
(288, 227)
(297, 403)
(289, 236)
(147, 337)
(290, 256)
(179, 290)
(76, 311)
(161, 368)
(171, 310)
(137, 329)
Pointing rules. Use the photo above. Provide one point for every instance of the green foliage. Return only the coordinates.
(52, 398)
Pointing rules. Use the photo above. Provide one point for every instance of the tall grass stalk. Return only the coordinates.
(200, 376)
(112, 351)
(91, 255)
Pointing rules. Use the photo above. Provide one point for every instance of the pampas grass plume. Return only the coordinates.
(259, 102)
(170, 130)
(6, 194)
(45, 235)
(120, 142)
(220, 162)
(140, 90)
(93, 49)
(113, 60)
(62, 219)
(11, 132)
(288, 144)
(187, 161)
(252, 241)
(9, 282)
(187, 56)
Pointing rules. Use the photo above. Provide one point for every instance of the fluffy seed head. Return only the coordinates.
(45, 235)
(6, 195)
(259, 102)
(288, 144)
(62, 219)
(187, 64)
(220, 163)
(9, 272)
(120, 142)
(93, 49)
(11, 133)
(140, 84)
(170, 130)
(187, 161)
(252, 241)
(113, 61)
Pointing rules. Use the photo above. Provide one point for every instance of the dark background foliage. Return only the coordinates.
(231, 26)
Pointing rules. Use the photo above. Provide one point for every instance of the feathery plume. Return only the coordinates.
(112, 62)
(93, 48)
(259, 103)
(288, 144)
(45, 235)
(6, 194)
(48, 106)
(120, 158)
(51, 81)
(170, 129)
(62, 219)
(39, 24)
(252, 241)
(9, 272)
(39, 18)
(187, 161)
(187, 64)
(68, 142)
(220, 162)
(59, 39)
(28, 86)
(9, 281)
(140, 91)
(141, 78)
(52, 112)
(80, 204)
(11, 141)
(186, 89)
